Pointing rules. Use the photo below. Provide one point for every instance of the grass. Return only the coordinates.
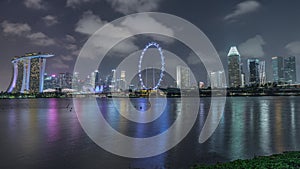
(287, 160)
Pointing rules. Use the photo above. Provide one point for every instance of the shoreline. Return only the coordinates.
(63, 96)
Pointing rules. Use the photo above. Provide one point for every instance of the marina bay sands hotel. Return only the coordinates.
(29, 73)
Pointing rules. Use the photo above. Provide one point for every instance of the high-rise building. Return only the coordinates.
(29, 73)
(36, 75)
(253, 69)
(243, 77)
(50, 82)
(64, 80)
(234, 68)
(97, 79)
(277, 66)
(284, 69)
(113, 82)
(76, 81)
(61, 80)
(68, 79)
(94, 79)
(122, 81)
(212, 78)
(123, 75)
(262, 72)
(217, 79)
(183, 77)
(290, 69)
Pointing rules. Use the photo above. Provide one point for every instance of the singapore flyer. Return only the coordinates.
(102, 132)
(156, 45)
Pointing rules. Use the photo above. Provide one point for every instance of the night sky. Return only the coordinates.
(260, 29)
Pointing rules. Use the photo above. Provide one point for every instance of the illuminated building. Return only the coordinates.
(28, 73)
(262, 72)
(50, 82)
(277, 65)
(75, 81)
(113, 80)
(290, 69)
(183, 77)
(284, 69)
(65, 80)
(234, 68)
(253, 66)
(94, 79)
(217, 79)
(122, 82)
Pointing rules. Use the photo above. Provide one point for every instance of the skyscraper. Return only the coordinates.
(262, 72)
(277, 66)
(61, 80)
(183, 77)
(113, 80)
(234, 67)
(50, 82)
(284, 69)
(75, 81)
(217, 79)
(94, 79)
(290, 69)
(253, 69)
(122, 81)
(28, 73)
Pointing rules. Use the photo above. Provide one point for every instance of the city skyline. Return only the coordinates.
(30, 76)
(62, 27)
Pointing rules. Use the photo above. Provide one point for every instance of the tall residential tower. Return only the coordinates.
(284, 69)
(183, 77)
(234, 68)
(253, 68)
(277, 65)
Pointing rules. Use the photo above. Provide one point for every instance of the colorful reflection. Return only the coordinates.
(52, 121)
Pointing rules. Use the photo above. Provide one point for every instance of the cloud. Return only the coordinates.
(59, 64)
(70, 38)
(132, 6)
(243, 8)
(89, 23)
(71, 47)
(193, 59)
(40, 39)
(74, 3)
(252, 47)
(50, 20)
(67, 57)
(15, 28)
(149, 24)
(34, 4)
(24, 30)
(293, 48)
(99, 43)
(122, 6)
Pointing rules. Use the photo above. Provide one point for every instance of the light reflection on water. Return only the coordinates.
(45, 133)
(264, 126)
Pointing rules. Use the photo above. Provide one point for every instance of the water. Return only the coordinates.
(45, 133)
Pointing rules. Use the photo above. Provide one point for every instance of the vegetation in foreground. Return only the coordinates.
(277, 161)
